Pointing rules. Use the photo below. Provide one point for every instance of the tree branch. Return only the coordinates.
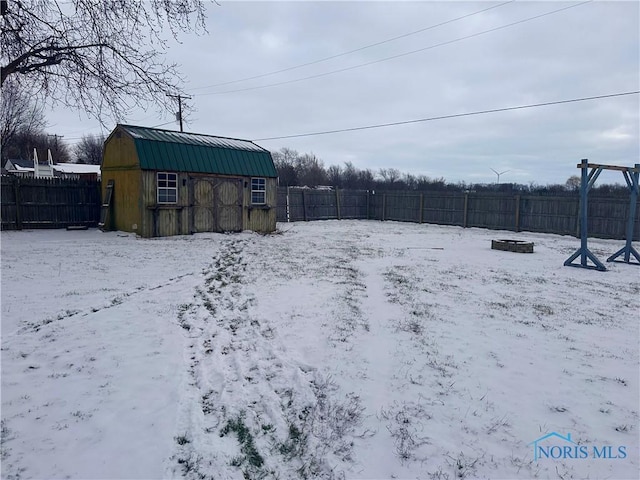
(93, 54)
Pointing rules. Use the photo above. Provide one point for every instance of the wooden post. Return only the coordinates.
(368, 200)
(466, 210)
(304, 206)
(633, 182)
(421, 207)
(288, 206)
(384, 205)
(586, 182)
(578, 218)
(517, 213)
(338, 203)
(16, 187)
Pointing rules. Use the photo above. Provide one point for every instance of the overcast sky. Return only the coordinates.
(589, 50)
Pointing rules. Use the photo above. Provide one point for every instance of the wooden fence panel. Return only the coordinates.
(496, 212)
(282, 210)
(353, 204)
(549, 214)
(444, 208)
(321, 204)
(608, 217)
(296, 205)
(402, 206)
(49, 203)
(8, 206)
(377, 201)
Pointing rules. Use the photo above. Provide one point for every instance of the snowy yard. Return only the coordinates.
(346, 349)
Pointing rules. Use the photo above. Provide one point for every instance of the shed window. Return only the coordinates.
(167, 187)
(258, 191)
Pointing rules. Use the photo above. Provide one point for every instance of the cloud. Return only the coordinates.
(588, 50)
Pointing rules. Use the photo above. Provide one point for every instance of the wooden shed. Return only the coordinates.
(159, 183)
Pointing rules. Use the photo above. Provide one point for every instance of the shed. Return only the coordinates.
(165, 183)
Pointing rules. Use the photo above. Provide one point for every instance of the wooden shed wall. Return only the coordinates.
(164, 220)
(257, 218)
(120, 152)
(120, 163)
(167, 220)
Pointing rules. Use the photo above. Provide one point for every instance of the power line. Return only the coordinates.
(332, 72)
(162, 124)
(102, 134)
(444, 117)
(348, 52)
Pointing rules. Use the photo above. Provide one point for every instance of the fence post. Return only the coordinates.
(384, 205)
(16, 187)
(421, 206)
(517, 213)
(338, 202)
(304, 206)
(466, 210)
(288, 206)
(368, 215)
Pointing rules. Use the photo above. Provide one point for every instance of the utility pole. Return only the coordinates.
(55, 141)
(179, 114)
(499, 173)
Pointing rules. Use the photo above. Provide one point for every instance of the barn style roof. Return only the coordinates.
(191, 152)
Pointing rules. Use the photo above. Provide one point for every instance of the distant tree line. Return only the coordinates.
(307, 170)
(23, 129)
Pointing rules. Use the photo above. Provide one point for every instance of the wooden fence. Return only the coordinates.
(60, 203)
(532, 213)
(48, 203)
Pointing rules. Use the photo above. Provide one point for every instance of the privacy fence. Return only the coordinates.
(60, 203)
(533, 213)
(48, 203)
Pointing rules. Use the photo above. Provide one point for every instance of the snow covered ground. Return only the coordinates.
(337, 349)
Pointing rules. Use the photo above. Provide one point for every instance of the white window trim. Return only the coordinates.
(263, 191)
(167, 189)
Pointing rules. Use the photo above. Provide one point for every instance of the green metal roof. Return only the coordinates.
(191, 152)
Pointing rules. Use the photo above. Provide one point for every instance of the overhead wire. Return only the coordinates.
(163, 124)
(404, 54)
(444, 117)
(348, 52)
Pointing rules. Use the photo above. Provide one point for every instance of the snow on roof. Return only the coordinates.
(22, 162)
(76, 168)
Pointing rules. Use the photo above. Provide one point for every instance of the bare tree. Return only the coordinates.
(573, 183)
(335, 176)
(390, 175)
(89, 150)
(102, 57)
(350, 175)
(24, 142)
(310, 170)
(285, 160)
(366, 179)
(19, 116)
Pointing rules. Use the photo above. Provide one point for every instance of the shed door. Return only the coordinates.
(228, 193)
(202, 212)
